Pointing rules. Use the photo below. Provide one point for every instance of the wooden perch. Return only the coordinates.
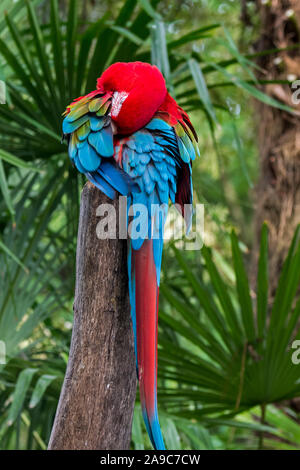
(97, 399)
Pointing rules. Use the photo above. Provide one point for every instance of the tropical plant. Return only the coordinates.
(228, 355)
(48, 66)
(33, 287)
(45, 66)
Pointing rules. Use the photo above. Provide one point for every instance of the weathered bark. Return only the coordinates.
(97, 399)
(278, 189)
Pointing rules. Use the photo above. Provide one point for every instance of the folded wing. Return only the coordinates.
(87, 126)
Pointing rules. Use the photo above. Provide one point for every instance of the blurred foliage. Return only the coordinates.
(221, 362)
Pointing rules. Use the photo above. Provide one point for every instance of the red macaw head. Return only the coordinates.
(138, 91)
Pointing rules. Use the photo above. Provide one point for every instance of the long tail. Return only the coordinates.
(144, 291)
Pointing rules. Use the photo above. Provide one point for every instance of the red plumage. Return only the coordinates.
(146, 297)
(143, 100)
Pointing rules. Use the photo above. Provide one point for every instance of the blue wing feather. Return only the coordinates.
(145, 167)
(101, 184)
(91, 148)
(88, 157)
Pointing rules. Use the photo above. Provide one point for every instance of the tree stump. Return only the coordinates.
(97, 399)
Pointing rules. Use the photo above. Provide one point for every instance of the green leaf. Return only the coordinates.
(14, 9)
(137, 434)
(285, 426)
(106, 43)
(223, 295)
(243, 290)
(22, 75)
(192, 36)
(262, 283)
(40, 387)
(287, 287)
(4, 248)
(22, 386)
(146, 5)
(15, 161)
(252, 90)
(202, 88)
(127, 34)
(72, 25)
(159, 51)
(24, 54)
(5, 190)
(241, 154)
(242, 60)
(206, 301)
(88, 38)
(41, 127)
(41, 53)
(2, 92)
(57, 45)
(170, 433)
